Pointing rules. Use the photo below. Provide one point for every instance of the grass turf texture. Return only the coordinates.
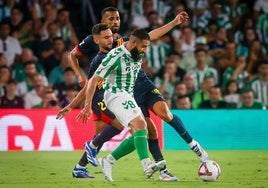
(247, 169)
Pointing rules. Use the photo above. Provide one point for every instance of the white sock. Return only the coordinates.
(193, 143)
(92, 145)
(111, 159)
(79, 166)
(145, 162)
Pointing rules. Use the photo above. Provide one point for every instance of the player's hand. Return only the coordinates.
(84, 115)
(82, 81)
(181, 17)
(63, 112)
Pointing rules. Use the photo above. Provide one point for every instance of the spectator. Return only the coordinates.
(215, 99)
(27, 84)
(185, 44)
(247, 21)
(5, 76)
(167, 79)
(202, 70)
(5, 9)
(216, 47)
(70, 91)
(69, 79)
(10, 99)
(189, 81)
(66, 29)
(3, 59)
(153, 21)
(8, 44)
(34, 97)
(49, 99)
(256, 53)
(43, 49)
(56, 76)
(15, 20)
(244, 47)
(260, 83)
(231, 94)
(155, 57)
(202, 95)
(41, 24)
(214, 13)
(18, 71)
(248, 101)
(180, 90)
(238, 73)
(53, 60)
(198, 8)
(141, 21)
(25, 34)
(262, 29)
(225, 60)
(211, 34)
(235, 10)
(260, 6)
(182, 102)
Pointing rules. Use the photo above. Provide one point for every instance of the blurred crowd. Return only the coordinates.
(217, 60)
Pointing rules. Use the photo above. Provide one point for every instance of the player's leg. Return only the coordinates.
(129, 114)
(161, 109)
(80, 170)
(154, 148)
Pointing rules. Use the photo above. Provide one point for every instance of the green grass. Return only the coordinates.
(247, 169)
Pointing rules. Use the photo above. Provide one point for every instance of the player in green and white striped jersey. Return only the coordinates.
(120, 69)
(118, 97)
(123, 79)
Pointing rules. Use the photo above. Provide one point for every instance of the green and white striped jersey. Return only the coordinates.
(119, 70)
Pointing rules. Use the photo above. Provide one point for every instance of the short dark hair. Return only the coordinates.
(141, 34)
(96, 30)
(67, 69)
(108, 9)
(12, 81)
(197, 50)
(28, 63)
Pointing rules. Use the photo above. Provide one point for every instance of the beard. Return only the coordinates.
(135, 54)
(108, 48)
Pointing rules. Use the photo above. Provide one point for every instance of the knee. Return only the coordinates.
(165, 115)
(161, 110)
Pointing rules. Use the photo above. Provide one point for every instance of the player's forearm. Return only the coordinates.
(157, 33)
(90, 90)
(73, 62)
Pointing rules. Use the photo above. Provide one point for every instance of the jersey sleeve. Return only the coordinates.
(88, 47)
(108, 65)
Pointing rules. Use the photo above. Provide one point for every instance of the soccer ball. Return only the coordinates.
(209, 170)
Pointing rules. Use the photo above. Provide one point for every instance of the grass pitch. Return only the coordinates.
(247, 169)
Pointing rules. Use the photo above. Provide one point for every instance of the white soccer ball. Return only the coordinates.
(209, 170)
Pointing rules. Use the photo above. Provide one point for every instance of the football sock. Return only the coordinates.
(155, 150)
(141, 144)
(83, 160)
(126, 147)
(177, 124)
(105, 135)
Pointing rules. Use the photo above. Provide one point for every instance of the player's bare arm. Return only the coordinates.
(85, 113)
(157, 33)
(75, 102)
(73, 62)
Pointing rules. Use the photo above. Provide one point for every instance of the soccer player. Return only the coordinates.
(120, 70)
(150, 96)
